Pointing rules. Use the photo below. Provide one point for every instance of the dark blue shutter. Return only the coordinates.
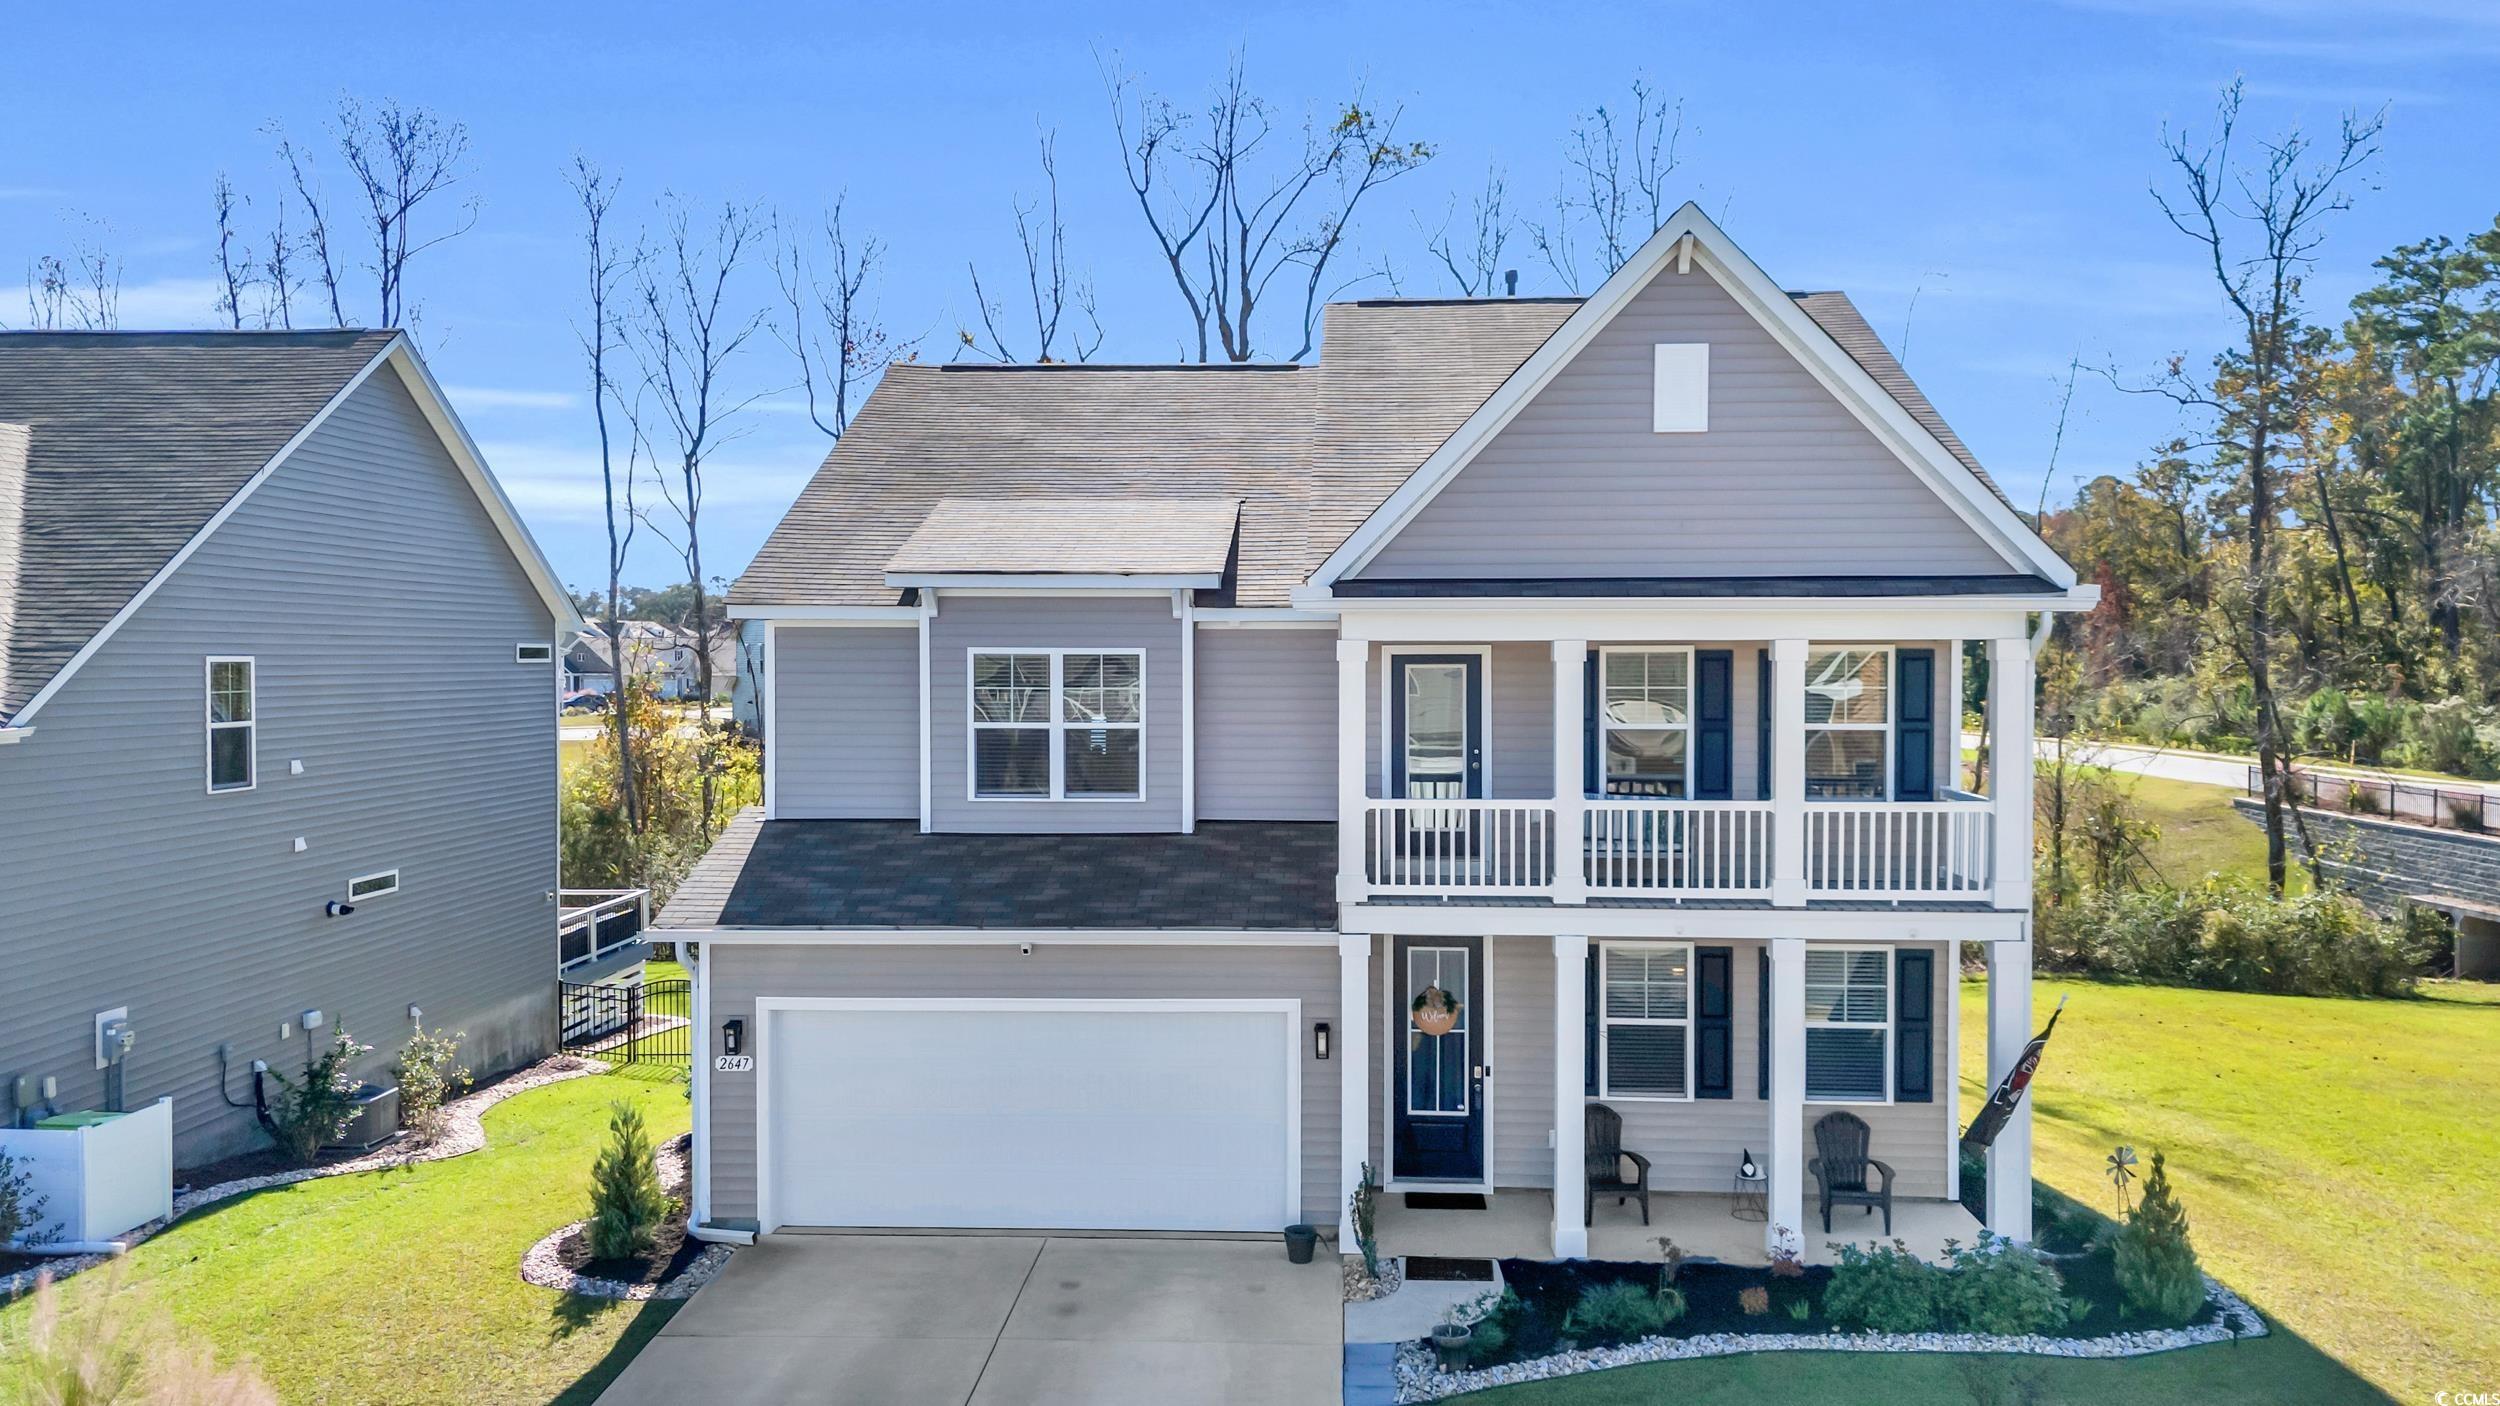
(1914, 725)
(1714, 1036)
(1592, 773)
(1762, 732)
(1588, 1046)
(1914, 1026)
(1762, 1022)
(1714, 725)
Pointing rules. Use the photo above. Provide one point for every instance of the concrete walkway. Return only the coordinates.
(999, 1320)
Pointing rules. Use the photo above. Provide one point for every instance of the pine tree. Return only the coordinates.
(2157, 1273)
(626, 1202)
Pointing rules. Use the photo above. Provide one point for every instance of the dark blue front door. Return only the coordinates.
(1437, 1108)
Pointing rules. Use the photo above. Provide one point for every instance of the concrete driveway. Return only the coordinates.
(999, 1320)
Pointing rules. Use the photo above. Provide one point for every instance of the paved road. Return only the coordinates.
(1000, 1320)
(2210, 769)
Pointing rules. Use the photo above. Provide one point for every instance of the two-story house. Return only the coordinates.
(1187, 785)
(208, 827)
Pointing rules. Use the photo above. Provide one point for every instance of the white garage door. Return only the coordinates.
(1104, 1115)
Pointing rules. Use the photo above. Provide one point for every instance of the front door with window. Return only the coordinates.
(1436, 726)
(1436, 1020)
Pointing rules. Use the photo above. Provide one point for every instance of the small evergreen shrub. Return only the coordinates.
(626, 1202)
(1610, 1315)
(1883, 1289)
(1996, 1287)
(1490, 1331)
(428, 1079)
(312, 1113)
(1364, 1205)
(2157, 1273)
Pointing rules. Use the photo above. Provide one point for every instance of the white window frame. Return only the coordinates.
(391, 874)
(1692, 992)
(210, 727)
(1892, 710)
(1056, 724)
(1891, 1027)
(546, 653)
(1606, 725)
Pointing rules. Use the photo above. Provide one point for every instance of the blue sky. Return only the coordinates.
(1989, 160)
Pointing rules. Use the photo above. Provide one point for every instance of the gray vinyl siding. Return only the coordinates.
(1519, 702)
(382, 609)
(742, 972)
(1521, 1101)
(1786, 481)
(846, 723)
(966, 623)
(1267, 724)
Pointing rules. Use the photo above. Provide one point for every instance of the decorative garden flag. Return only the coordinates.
(2000, 1105)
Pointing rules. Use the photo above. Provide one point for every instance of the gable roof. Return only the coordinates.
(138, 444)
(1058, 537)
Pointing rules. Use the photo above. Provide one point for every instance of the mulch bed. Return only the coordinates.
(672, 1249)
(11, 1264)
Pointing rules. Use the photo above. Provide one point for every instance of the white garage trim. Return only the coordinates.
(767, 1007)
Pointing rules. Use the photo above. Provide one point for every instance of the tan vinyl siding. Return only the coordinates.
(1519, 705)
(382, 608)
(742, 972)
(1267, 724)
(1786, 481)
(846, 721)
(1521, 1105)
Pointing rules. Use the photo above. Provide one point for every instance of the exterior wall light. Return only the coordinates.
(1319, 1040)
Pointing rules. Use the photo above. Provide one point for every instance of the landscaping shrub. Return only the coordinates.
(428, 1079)
(1755, 1301)
(21, 1210)
(2157, 1273)
(1610, 1315)
(1996, 1287)
(602, 848)
(1490, 1330)
(2231, 937)
(1884, 1289)
(1364, 1208)
(626, 1202)
(312, 1113)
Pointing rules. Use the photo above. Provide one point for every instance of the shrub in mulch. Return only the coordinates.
(670, 1249)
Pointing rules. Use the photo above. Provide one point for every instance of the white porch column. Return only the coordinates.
(2009, 784)
(1571, 1236)
(1353, 1056)
(1788, 774)
(1353, 682)
(2009, 1029)
(1786, 1195)
(1570, 784)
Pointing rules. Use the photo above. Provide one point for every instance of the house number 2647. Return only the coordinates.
(733, 1064)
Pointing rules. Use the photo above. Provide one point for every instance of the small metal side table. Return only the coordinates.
(1752, 1198)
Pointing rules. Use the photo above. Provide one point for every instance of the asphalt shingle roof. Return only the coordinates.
(885, 873)
(134, 441)
(1064, 536)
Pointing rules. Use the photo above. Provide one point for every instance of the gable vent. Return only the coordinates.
(1681, 395)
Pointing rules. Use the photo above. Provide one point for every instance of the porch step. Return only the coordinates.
(1371, 1376)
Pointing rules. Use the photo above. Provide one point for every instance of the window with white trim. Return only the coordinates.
(1058, 724)
(365, 886)
(1848, 1024)
(231, 724)
(1849, 723)
(1647, 716)
(1645, 1020)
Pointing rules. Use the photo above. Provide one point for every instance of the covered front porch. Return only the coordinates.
(1519, 1224)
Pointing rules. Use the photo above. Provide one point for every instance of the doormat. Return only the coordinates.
(1444, 1201)
(1456, 1271)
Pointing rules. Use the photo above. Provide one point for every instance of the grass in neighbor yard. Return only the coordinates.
(404, 1286)
(2200, 832)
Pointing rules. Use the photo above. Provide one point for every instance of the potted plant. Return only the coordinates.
(1300, 1240)
(1450, 1341)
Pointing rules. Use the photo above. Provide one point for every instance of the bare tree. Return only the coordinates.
(690, 324)
(1612, 194)
(1474, 264)
(80, 292)
(1044, 239)
(307, 185)
(401, 157)
(834, 330)
(1232, 212)
(2260, 225)
(596, 194)
(234, 259)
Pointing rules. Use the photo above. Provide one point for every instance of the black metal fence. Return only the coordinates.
(2417, 803)
(646, 1022)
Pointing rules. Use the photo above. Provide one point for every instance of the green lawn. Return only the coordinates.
(2200, 831)
(404, 1286)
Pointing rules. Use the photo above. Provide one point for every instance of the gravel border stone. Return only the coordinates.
(463, 1132)
(1420, 1377)
(1362, 1288)
(544, 1268)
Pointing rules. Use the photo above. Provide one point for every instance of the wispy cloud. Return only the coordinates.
(507, 398)
(156, 303)
(31, 193)
(559, 482)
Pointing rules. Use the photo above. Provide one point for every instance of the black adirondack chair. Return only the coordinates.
(1840, 1168)
(1606, 1159)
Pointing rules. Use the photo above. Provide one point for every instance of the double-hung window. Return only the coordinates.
(1648, 719)
(1058, 724)
(231, 725)
(1645, 1020)
(1849, 723)
(1848, 1025)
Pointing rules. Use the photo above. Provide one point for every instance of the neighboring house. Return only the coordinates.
(1186, 785)
(587, 665)
(195, 528)
(666, 655)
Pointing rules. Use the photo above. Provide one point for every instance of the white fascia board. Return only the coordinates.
(1459, 919)
(829, 614)
(992, 937)
(10, 735)
(1701, 621)
(1249, 618)
(1049, 581)
(1779, 314)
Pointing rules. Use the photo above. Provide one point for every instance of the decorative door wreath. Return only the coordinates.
(1434, 1010)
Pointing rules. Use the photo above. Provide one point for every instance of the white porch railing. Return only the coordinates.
(1459, 847)
(590, 923)
(1679, 849)
(1897, 849)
